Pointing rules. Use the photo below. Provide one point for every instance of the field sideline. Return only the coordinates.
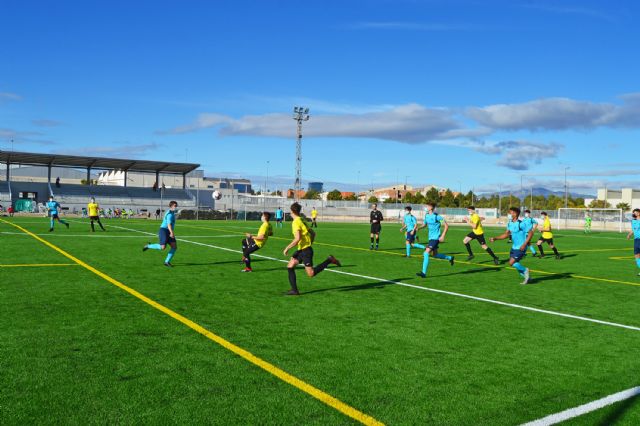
(475, 348)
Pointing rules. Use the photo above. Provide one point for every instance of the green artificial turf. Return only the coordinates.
(77, 349)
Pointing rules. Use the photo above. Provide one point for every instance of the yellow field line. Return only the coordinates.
(270, 368)
(457, 261)
(31, 265)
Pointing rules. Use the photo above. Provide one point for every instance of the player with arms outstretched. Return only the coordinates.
(53, 209)
(520, 238)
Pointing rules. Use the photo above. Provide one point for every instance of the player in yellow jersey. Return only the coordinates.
(477, 233)
(253, 243)
(94, 214)
(547, 236)
(314, 216)
(303, 237)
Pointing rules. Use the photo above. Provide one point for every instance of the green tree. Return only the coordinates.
(311, 195)
(389, 201)
(599, 204)
(373, 199)
(624, 206)
(432, 195)
(334, 195)
(447, 199)
(351, 197)
(408, 198)
(418, 198)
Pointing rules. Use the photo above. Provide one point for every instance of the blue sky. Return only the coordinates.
(454, 93)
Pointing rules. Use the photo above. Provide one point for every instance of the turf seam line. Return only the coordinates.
(585, 408)
(434, 290)
(248, 356)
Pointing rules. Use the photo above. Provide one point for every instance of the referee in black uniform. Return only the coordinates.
(375, 218)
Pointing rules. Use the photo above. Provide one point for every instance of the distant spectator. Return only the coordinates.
(10, 211)
(58, 182)
(155, 186)
(157, 213)
(163, 187)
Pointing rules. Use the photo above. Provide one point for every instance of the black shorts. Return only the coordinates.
(636, 246)
(55, 216)
(304, 256)
(249, 246)
(480, 238)
(545, 240)
(375, 228)
(433, 245)
(279, 220)
(410, 237)
(164, 236)
(517, 254)
(94, 218)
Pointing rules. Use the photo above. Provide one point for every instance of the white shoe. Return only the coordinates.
(526, 277)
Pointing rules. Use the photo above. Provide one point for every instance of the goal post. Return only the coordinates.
(601, 219)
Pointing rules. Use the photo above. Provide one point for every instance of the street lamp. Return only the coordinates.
(300, 114)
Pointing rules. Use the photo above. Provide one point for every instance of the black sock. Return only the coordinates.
(555, 251)
(491, 253)
(377, 240)
(371, 240)
(468, 246)
(100, 223)
(321, 266)
(92, 227)
(247, 261)
(292, 279)
(541, 250)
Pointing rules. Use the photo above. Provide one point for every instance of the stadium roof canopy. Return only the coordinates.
(58, 160)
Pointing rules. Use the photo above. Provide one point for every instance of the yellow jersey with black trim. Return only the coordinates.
(314, 213)
(305, 236)
(547, 235)
(475, 219)
(266, 230)
(93, 209)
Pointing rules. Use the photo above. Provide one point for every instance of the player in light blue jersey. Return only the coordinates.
(520, 238)
(635, 231)
(279, 217)
(530, 223)
(53, 208)
(434, 223)
(166, 234)
(410, 228)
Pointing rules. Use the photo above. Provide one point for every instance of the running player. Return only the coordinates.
(547, 236)
(279, 217)
(410, 228)
(314, 216)
(53, 207)
(587, 223)
(253, 243)
(375, 219)
(94, 214)
(521, 238)
(434, 222)
(530, 223)
(477, 233)
(635, 231)
(303, 237)
(166, 234)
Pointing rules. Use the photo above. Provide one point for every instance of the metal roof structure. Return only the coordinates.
(61, 160)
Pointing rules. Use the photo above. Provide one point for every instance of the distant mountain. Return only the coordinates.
(536, 191)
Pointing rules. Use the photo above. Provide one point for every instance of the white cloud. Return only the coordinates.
(22, 138)
(46, 123)
(6, 96)
(117, 151)
(559, 114)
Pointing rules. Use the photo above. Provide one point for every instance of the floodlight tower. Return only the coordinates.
(300, 114)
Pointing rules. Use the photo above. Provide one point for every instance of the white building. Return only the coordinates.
(616, 196)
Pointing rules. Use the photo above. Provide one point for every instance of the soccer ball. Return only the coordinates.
(216, 195)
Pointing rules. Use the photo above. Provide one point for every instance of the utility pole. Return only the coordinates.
(300, 114)
(566, 192)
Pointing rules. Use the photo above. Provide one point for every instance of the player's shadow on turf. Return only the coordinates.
(560, 276)
(617, 415)
(471, 271)
(357, 287)
(220, 263)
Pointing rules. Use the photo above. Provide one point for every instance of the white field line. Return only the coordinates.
(100, 235)
(433, 290)
(585, 408)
